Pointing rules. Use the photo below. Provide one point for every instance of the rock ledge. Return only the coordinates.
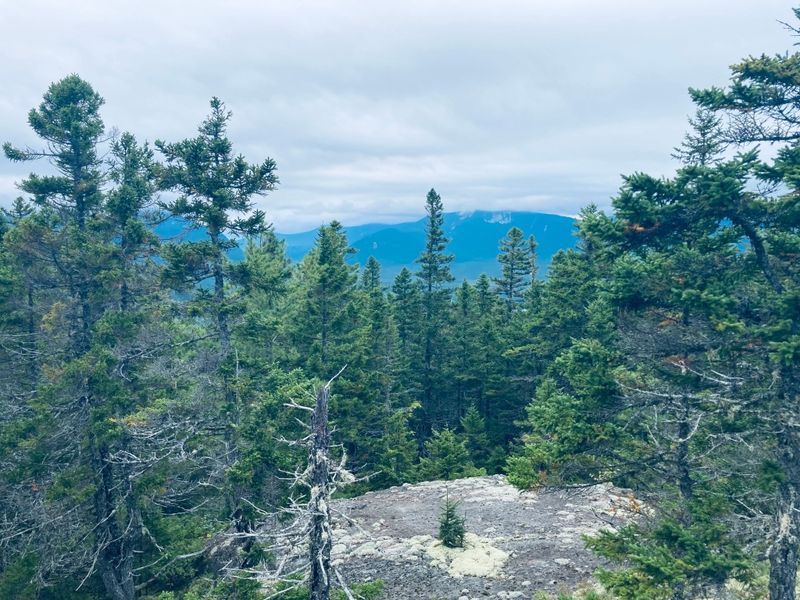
(518, 542)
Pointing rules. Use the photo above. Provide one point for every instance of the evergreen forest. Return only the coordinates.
(153, 393)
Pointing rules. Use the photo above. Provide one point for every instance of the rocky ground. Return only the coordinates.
(518, 543)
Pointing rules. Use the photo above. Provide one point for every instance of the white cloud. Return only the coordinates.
(503, 104)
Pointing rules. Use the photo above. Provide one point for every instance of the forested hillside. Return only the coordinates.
(473, 241)
(155, 394)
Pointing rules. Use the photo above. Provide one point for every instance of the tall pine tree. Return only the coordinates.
(435, 278)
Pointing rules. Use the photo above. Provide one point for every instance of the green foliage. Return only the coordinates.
(704, 144)
(68, 120)
(451, 525)
(566, 437)
(397, 462)
(238, 589)
(446, 457)
(474, 433)
(658, 354)
(518, 265)
(659, 560)
(434, 276)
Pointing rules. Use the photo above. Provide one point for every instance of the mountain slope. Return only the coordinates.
(474, 239)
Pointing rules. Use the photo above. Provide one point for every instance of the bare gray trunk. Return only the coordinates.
(320, 541)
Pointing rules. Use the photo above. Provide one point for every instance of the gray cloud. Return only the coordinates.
(528, 105)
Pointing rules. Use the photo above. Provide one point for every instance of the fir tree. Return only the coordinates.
(434, 276)
(216, 190)
(466, 362)
(477, 442)
(98, 334)
(324, 316)
(446, 457)
(371, 277)
(68, 121)
(451, 525)
(517, 264)
(703, 145)
(406, 305)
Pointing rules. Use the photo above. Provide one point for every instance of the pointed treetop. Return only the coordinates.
(704, 144)
(371, 277)
(434, 263)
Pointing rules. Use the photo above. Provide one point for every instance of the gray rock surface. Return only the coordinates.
(518, 543)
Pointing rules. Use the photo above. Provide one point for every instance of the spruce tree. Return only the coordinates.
(446, 457)
(94, 342)
(215, 191)
(134, 173)
(68, 121)
(451, 525)
(517, 265)
(324, 315)
(264, 277)
(371, 276)
(466, 363)
(435, 277)
(406, 305)
(703, 145)
(477, 442)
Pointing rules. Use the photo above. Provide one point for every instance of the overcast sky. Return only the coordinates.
(365, 105)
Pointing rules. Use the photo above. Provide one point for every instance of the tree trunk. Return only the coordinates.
(684, 474)
(219, 294)
(114, 567)
(783, 553)
(320, 540)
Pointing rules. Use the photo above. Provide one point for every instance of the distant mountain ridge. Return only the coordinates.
(474, 239)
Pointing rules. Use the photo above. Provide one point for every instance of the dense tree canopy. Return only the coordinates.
(148, 387)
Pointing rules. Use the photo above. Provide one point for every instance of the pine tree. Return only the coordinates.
(446, 457)
(434, 275)
(477, 442)
(704, 144)
(215, 193)
(451, 525)
(517, 262)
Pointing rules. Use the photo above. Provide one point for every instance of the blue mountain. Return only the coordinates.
(474, 239)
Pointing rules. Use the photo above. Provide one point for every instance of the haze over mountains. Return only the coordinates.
(474, 239)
